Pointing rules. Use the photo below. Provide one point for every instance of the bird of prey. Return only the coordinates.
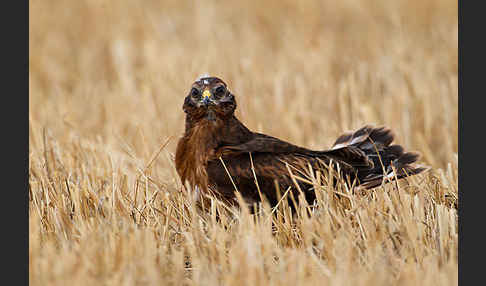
(218, 154)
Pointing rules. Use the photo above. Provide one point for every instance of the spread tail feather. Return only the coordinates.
(381, 157)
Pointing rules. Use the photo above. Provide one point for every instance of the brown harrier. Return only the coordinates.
(216, 145)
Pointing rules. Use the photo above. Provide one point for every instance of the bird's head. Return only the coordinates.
(209, 98)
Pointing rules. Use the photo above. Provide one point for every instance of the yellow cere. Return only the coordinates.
(206, 93)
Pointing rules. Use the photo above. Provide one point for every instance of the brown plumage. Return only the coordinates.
(216, 143)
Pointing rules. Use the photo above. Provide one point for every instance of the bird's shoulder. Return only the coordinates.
(260, 143)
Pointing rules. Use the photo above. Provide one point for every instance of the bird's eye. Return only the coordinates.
(220, 90)
(195, 92)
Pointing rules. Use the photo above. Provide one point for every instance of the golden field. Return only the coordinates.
(107, 81)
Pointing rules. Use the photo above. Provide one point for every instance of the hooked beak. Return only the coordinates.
(206, 95)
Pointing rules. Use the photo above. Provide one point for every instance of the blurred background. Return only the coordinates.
(107, 82)
(113, 74)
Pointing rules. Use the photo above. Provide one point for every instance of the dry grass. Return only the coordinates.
(107, 81)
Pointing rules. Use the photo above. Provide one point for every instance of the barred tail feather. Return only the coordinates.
(386, 162)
